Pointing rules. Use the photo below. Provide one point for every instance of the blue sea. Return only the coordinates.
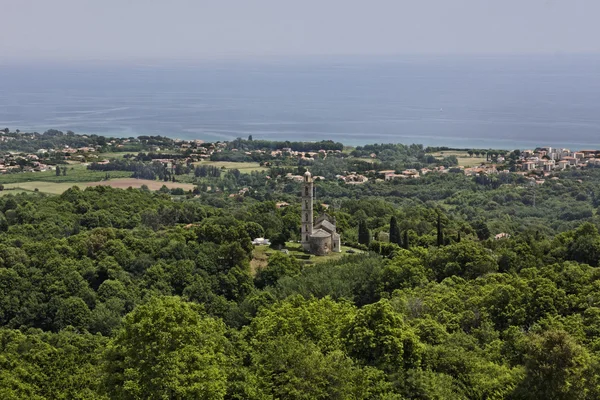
(486, 102)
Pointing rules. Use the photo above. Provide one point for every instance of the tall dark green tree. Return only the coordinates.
(364, 234)
(440, 232)
(481, 229)
(395, 236)
(405, 242)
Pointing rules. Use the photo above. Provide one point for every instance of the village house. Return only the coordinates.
(353, 178)
(570, 160)
(562, 164)
(528, 165)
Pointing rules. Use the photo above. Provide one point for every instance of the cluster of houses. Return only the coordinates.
(547, 159)
(350, 178)
(286, 152)
(390, 175)
(205, 150)
(198, 149)
(37, 162)
(300, 178)
(15, 162)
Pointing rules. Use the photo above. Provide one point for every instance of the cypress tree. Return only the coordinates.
(364, 236)
(440, 233)
(360, 232)
(394, 231)
(405, 242)
(458, 237)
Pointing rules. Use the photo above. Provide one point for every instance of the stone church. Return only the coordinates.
(318, 237)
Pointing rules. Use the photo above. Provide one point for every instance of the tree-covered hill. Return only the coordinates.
(129, 294)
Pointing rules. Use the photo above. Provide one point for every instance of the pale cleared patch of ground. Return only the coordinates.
(102, 156)
(364, 159)
(259, 260)
(44, 187)
(261, 255)
(122, 183)
(244, 167)
(464, 160)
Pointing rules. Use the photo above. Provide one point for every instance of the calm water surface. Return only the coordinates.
(498, 102)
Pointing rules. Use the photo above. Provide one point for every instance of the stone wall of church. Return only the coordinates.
(336, 244)
(320, 246)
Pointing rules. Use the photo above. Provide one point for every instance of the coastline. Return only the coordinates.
(349, 140)
(499, 102)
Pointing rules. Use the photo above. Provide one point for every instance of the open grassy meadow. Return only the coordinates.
(124, 183)
(75, 173)
(261, 255)
(116, 154)
(464, 160)
(244, 167)
(60, 187)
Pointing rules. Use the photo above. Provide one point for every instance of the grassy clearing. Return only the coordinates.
(364, 159)
(75, 173)
(44, 187)
(261, 255)
(464, 160)
(123, 183)
(117, 154)
(244, 167)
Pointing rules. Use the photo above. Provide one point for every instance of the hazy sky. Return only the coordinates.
(194, 29)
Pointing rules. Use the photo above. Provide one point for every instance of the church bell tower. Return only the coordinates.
(307, 210)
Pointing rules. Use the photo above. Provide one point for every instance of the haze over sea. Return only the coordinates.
(484, 102)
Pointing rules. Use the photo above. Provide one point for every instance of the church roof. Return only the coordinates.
(320, 233)
(326, 225)
(324, 217)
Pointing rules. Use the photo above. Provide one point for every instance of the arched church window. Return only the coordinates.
(306, 191)
(306, 217)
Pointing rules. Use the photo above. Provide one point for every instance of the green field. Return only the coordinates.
(116, 154)
(243, 167)
(122, 183)
(261, 255)
(75, 173)
(44, 187)
(464, 160)
(364, 159)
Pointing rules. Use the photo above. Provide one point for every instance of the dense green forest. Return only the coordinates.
(132, 294)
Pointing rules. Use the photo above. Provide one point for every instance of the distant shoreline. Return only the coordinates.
(483, 102)
(461, 146)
